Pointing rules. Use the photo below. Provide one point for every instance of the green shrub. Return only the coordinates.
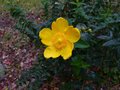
(96, 58)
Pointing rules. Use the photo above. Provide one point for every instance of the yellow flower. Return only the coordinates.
(59, 39)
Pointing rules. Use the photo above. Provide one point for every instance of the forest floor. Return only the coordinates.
(17, 52)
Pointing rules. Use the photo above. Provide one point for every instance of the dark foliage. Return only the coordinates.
(96, 59)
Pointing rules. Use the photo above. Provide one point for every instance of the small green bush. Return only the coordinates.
(95, 62)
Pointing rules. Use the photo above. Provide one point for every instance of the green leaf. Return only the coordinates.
(2, 71)
(79, 63)
(81, 44)
(67, 86)
(113, 42)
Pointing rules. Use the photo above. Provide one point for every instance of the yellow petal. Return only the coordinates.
(59, 25)
(72, 34)
(67, 51)
(46, 42)
(55, 27)
(46, 35)
(51, 52)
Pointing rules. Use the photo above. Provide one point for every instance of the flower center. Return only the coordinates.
(59, 41)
